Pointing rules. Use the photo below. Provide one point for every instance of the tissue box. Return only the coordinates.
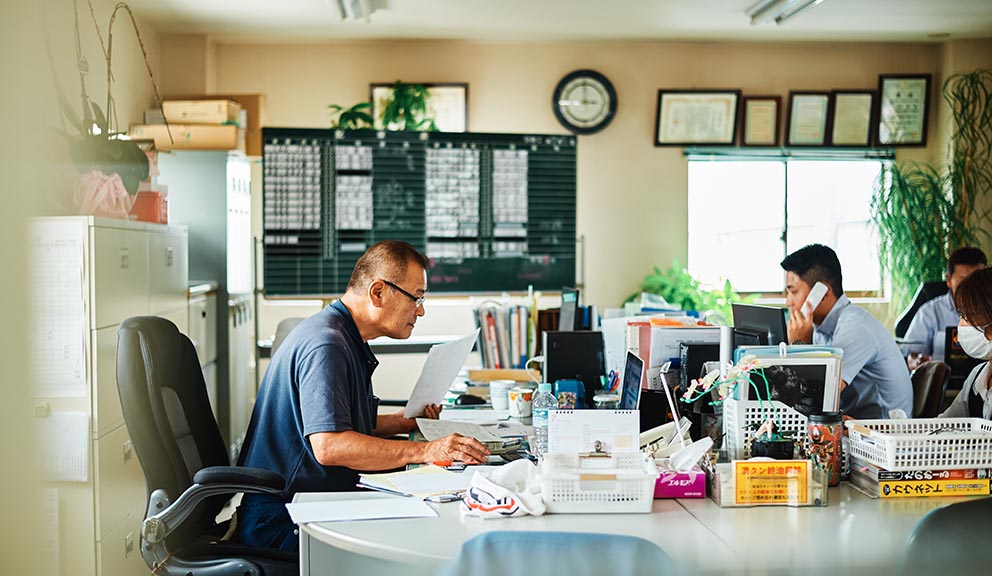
(674, 484)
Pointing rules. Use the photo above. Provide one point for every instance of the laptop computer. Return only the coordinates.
(630, 391)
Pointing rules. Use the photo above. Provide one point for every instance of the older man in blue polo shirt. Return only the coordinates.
(316, 419)
(874, 377)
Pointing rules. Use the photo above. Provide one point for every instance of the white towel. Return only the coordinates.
(513, 489)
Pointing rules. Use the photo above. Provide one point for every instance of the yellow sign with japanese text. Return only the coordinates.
(771, 482)
(919, 488)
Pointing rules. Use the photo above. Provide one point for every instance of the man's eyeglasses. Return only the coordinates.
(418, 302)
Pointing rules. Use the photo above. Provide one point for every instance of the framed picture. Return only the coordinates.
(853, 117)
(448, 104)
(903, 109)
(808, 118)
(687, 117)
(760, 126)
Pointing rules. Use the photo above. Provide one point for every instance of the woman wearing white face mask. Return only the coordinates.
(973, 299)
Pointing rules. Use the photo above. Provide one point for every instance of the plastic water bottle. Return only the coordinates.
(543, 402)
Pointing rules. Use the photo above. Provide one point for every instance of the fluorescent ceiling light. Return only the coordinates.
(355, 9)
(777, 10)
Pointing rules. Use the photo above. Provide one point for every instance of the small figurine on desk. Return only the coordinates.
(767, 440)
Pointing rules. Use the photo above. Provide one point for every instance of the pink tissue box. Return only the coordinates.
(672, 484)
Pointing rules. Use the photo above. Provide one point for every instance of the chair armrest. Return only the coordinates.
(164, 515)
(239, 475)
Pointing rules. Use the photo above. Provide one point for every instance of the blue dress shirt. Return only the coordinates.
(873, 367)
(929, 326)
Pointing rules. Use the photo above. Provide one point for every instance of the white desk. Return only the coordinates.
(855, 534)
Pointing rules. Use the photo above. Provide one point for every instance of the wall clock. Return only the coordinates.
(584, 102)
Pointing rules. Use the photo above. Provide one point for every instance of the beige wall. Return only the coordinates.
(631, 196)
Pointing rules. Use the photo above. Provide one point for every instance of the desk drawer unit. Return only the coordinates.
(125, 269)
(118, 554)
(120, 275)
(107, 414)
(167, 270)
(120, 480)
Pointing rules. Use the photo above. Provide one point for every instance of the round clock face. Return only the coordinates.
(584, 102)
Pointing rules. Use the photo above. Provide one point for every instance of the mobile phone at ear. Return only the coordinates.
(814, 297)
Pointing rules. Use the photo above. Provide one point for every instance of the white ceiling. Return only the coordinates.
(550, 20)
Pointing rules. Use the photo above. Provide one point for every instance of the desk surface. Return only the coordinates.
(853, 532)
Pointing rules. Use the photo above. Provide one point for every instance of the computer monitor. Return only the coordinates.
(693, 355)
(654, 409)
(630, 392)
(807, 384)
(569, 304)
(765, 323)
(575, 355)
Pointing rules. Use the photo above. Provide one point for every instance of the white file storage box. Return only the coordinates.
(599, 483)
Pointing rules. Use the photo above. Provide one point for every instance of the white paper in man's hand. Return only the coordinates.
(442, 366)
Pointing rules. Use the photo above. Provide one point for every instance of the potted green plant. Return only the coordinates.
(355, 118)
(111, 167)
(924, 212)
(406, 108)
(680, 288)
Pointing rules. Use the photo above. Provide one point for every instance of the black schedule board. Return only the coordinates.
(493, 212)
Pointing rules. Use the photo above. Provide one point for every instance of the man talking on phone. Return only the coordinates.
(874, 378)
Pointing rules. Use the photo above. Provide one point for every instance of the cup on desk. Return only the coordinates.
(499, 393)
(521, 400)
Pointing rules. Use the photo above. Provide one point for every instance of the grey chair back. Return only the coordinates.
(283, 329)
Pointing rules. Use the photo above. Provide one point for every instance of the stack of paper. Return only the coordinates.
(421, 482)
(344, 507)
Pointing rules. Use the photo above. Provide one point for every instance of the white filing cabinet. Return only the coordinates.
(88, 275)
(203, 333)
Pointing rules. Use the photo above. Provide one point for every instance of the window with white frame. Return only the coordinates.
(747, 214)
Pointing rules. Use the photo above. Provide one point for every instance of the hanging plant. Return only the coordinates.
(94, 142)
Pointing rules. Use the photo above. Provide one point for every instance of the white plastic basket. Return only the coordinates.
(924, 443)
(740, 415)
(622, 482)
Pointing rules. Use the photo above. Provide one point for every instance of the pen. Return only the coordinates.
(385, 490)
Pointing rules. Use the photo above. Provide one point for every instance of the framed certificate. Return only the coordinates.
(808, 118)
(688, 117)
(760, 126)
(448, 104)
(903, 110)
(853, 115)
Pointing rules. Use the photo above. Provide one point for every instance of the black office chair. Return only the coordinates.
(930, 382)
(184, 459)
(926, 292)
(952, 539)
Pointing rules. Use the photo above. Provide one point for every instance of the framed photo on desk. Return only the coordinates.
(904, 109)
(687, 117)
(448, 104)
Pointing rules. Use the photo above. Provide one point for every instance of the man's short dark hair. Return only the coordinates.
(967, 256)
(387, 260)
(816, 263)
